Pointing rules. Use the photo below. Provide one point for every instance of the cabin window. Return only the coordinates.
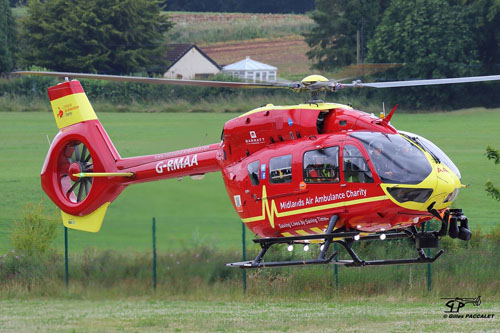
(253, 172)
(280, 169)
(321, 165)
(356, 169)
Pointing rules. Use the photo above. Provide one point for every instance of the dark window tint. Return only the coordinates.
(321, 165)
(410, 194)
(280, 169)
(356, 169)
(396, 160)
(431, 147)
(253, 172)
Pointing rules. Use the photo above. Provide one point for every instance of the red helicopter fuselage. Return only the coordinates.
(287, 169)
(267, 162)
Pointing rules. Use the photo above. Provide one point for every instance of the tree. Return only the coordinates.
(483, 16)
(240, 6)
(333, 41)
(107, 36)
(494, 155)
(35, 231)
(14, 3)
(7, 37)
(433, 40)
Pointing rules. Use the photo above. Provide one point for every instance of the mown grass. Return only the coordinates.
(155, 314)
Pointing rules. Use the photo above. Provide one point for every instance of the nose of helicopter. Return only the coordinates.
(447, 186)
(439, 189)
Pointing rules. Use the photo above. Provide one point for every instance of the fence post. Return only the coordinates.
(429, 281)
(336, 267)
(154, 253)
(66, 269)
(244, 271)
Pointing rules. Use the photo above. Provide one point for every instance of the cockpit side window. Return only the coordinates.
(280, 169)
(396, 160)
(321, 165)
(356, 169)
(253, 172)
(433, 150)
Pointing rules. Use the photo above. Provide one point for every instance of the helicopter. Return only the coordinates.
(313, 173)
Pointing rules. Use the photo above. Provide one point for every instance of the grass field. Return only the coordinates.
(270, 315)
(207, 28)
(199, 212)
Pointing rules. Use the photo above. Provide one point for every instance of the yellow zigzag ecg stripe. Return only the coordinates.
(272, 212)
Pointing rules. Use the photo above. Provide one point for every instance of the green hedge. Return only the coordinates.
(484, 94)
(123, 92)
(465, 267)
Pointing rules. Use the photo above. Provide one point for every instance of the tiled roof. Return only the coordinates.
(176, 51)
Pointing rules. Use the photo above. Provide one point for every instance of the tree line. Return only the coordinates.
(241, 6)
(426, 38)
(105, 36)
(227, 6)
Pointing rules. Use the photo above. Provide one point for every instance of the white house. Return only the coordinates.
(189, 62)
(251, 70)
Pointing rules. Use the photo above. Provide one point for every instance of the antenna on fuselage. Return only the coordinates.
(382, 114)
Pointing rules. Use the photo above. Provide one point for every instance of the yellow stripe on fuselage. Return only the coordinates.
(272, 212)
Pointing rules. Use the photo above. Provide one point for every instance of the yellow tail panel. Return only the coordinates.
(91, 222)
(72, 109)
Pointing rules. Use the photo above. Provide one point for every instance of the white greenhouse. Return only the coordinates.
(251, 70)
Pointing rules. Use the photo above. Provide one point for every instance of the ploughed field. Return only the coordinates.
(287, 54)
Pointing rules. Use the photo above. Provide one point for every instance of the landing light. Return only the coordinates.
(306, 248)
(322, 247)
(290, 248)
(382, 236)
(356, 237)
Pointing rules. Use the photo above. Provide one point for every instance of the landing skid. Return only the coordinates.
(346, 239)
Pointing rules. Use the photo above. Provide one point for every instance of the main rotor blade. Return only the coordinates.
(331, 85)
(414, 83)
(137, 79)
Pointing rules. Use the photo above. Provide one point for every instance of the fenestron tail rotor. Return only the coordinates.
(75, 158)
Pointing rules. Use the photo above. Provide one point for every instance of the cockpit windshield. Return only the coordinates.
(433, 150)
(396, 160)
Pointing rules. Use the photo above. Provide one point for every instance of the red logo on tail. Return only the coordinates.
(60, 113)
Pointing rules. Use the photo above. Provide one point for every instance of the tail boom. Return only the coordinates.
(83, 172)
(187, 162)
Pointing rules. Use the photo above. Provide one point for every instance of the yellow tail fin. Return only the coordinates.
(91, 222)
(70, 104)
